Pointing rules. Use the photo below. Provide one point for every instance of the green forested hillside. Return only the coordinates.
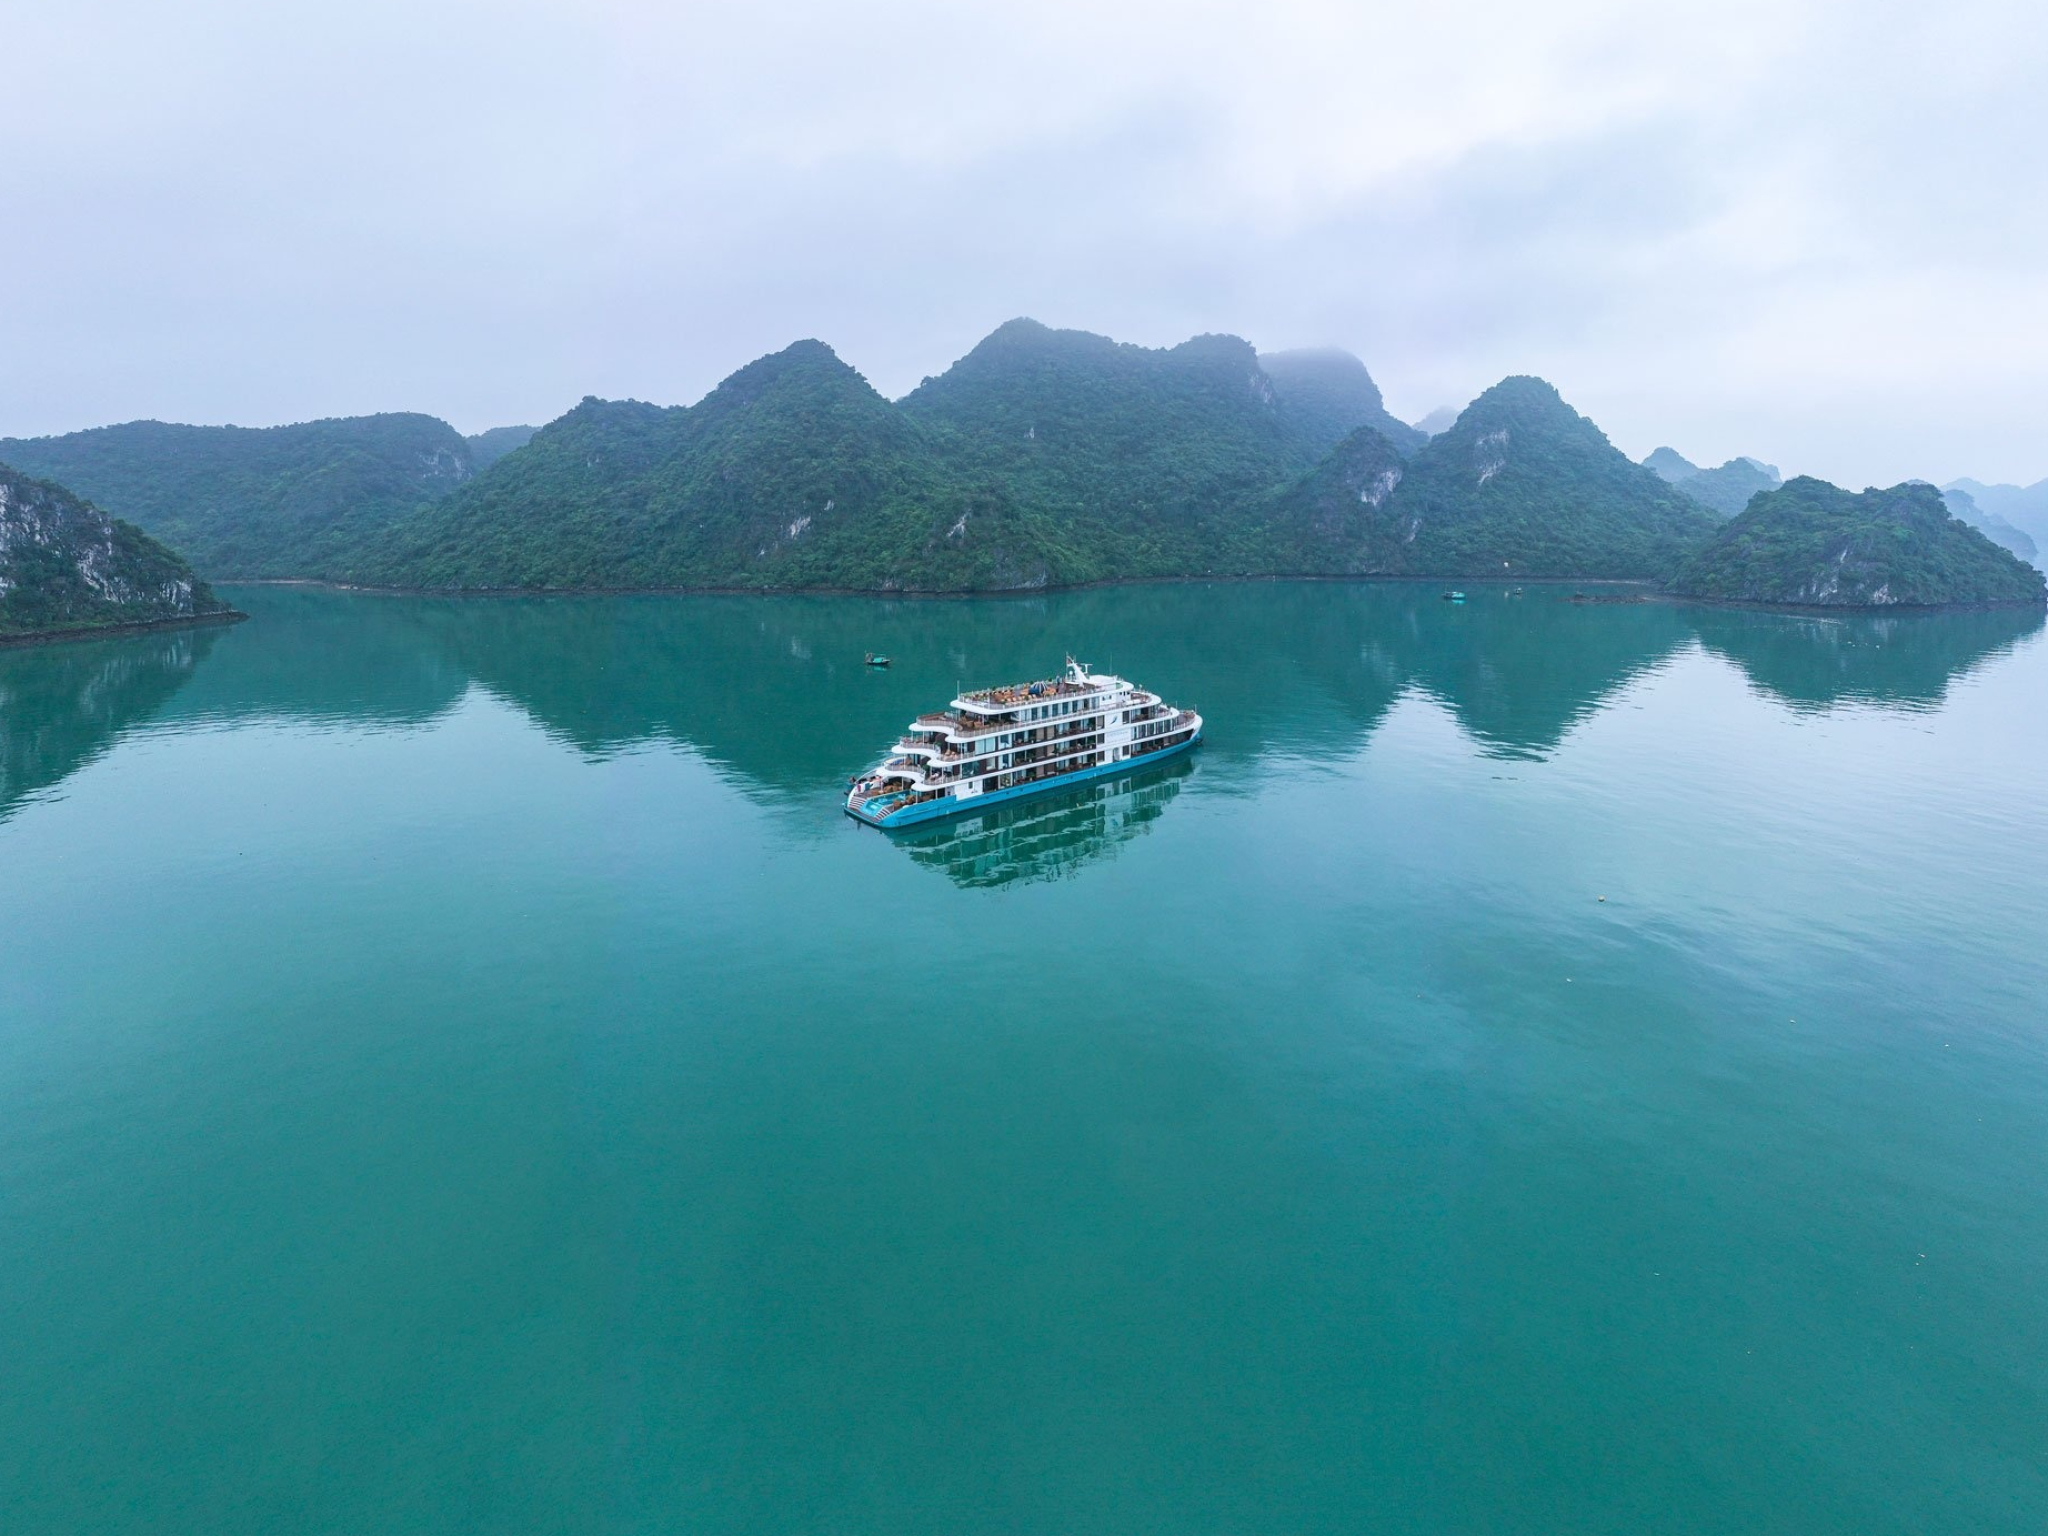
(486, 448)
(1670, 465)
(1338, 519)
(1137, 462)
(1325, 394)
(1523, 485)
(794, 472)
(1041, 458)
(65, 564)
(1811, 543)
(256, 501)
(1726, 488)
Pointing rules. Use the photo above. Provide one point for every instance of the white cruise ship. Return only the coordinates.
(1004, 743)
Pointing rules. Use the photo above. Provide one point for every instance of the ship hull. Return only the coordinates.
(938, 810)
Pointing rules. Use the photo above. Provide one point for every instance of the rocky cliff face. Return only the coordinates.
(65, 564)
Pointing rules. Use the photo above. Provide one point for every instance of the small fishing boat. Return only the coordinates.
(877, 661)
(1454, 597)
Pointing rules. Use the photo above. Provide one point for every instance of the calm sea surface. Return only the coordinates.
(460, 1071)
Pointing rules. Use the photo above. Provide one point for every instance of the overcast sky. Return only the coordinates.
(1815, 231)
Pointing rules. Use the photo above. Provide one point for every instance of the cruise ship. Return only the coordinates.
(1004, 743)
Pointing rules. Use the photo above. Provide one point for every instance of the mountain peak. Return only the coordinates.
(802, 365)
(1671, 464)
(1328, 393)
(1525, 393)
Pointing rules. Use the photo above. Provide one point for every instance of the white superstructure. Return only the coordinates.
(1002, 742)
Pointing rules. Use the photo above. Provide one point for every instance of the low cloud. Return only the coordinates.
(1810, 230)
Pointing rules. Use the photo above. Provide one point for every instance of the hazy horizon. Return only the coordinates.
(1810, 233)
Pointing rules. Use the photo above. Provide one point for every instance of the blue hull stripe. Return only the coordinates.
(933, 810)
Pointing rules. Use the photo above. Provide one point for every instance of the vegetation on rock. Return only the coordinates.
(1810, 543)
(256, 501)
(1671, 465)
(1523, 485)
(1727, 488)
(794, 472)
(486, 448)
(1041, 458)
(1325, 394)
(65, 564)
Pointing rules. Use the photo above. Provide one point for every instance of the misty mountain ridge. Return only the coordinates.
(2024, 507)
(1330, 394)
(1725, 489)
(1041, 458)
(1671, 465)
(1961, 504)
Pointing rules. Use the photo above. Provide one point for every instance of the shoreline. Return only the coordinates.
(116, 631)
(917, 594)
(1647, 591)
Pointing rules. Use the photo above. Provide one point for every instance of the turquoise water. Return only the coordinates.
(460, 1071)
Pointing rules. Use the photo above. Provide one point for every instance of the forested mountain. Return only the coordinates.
(1138, 461)
(65, 564)
(1523, 485)
(1326, 394)
(486, 448)
(1811, 543)
(1439, 420)
(1041, 458)
(256, 501)
(794, 472)
(1338, 519)
(1671, 465)
(1726, 489)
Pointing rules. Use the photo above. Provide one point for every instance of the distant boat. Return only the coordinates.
(1454, 597)
(877, 661)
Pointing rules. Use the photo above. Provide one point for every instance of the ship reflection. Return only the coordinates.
(1049, 837)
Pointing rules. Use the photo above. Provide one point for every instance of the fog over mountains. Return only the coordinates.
(1719, 228)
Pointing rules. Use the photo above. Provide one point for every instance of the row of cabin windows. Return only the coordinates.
(1030, 771)
(1052, 711)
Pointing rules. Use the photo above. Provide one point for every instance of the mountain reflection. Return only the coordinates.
(772, 690)
(1520, 667)
(62, 706)
(1050, 837)
(1898, 661)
